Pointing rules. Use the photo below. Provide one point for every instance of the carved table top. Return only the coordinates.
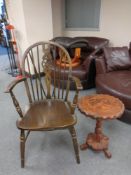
(101, 106)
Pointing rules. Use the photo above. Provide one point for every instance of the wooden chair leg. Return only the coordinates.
(22, 148)
(75, 143)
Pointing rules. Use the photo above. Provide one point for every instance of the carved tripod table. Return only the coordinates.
(100, 107)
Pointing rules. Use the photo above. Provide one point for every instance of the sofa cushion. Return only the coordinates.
(117, 58)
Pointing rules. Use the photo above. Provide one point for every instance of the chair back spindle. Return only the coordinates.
(46, 78)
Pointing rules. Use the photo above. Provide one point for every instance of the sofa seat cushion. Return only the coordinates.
(117, 83)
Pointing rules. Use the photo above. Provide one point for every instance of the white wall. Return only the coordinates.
(38, 20)
(32, 20)
(115, 23)
(17, 19)
(57, 18)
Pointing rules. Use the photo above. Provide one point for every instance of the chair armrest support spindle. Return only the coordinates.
(78, 88)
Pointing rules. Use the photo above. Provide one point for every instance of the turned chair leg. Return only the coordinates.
(75, 143)
(22, 148)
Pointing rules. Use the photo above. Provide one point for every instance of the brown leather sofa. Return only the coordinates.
(113, 76)
(90, 47)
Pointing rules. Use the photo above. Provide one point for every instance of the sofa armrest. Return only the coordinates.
(87, 62)
(100, 65)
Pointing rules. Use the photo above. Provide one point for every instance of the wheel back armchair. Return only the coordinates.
(49, 105)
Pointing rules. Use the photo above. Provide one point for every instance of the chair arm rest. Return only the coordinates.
(13, 84)
(100, 65)
(77, 82)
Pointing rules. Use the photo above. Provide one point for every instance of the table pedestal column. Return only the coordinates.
(97, 140)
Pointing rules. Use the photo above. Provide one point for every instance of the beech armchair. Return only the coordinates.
(49, 106)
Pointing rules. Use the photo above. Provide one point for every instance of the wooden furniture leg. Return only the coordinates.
(97, 140)
(75, 143)
(22, 148)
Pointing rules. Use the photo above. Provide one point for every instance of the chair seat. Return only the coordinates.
(47, 115)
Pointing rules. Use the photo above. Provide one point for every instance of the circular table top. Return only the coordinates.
(101, 106)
